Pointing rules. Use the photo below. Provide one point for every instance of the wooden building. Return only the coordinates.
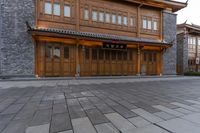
(188, 48)
(95, 38)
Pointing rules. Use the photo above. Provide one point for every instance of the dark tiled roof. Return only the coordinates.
(96, 36)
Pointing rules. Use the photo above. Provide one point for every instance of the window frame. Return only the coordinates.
(103, 17)
(125, 21)
(119, 19)
(56, 3)
(96, 12)
(84, 14)
(114, 19)
(51, 8)
(70, 12)
(109, 16)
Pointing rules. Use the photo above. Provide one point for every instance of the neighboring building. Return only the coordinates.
(88, 37)
(188, 48)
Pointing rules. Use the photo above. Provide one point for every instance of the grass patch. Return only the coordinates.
(192, 73)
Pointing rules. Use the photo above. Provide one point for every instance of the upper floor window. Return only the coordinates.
(94, 15)
(107, 18)
(47, 8)
(192, 40)
(198, 41)
(125, 21)
(67, 11)
(119, 20)
(114, 19)
(56, 9)
(101, 16)
(144, 24)
(155, 25)
(149, 25)
(86, 14)
(131, 21)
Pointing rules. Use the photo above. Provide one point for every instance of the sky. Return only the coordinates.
(191, 13)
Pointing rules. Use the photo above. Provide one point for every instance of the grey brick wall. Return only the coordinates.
(17, 46)
(182, 52)
(169, 34)
(1, 40)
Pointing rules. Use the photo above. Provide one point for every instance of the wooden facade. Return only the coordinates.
(58, 54)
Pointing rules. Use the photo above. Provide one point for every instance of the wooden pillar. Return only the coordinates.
(78, 69)
(138, 20)
(138, 61)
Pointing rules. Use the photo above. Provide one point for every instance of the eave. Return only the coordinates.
(94, 36)
(164, 4)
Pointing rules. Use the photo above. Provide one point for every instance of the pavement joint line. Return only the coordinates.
(162, 128)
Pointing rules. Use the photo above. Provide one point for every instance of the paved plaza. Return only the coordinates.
(119, 105)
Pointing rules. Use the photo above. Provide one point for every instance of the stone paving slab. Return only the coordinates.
(146, 115)
(147, 129)
(38, 129)
(167, 110)
(111, 105)
(180, 126)
(193, 118)
(120, 122)
(186, 107)
(83, 125)
(96, 117)
(41, 117)
(139, 121)
(106, 128)
(60, 122)
(164, 115)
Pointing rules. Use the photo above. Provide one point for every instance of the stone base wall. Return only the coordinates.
(17, 48)
(169, 34)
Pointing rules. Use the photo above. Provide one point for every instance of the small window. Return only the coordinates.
(48, 8)
(87, 53)
(145, 57)
(113, 55)
(56, 52)
(198, 41)
(155, 27)
(114, 19)
(144, 23)
(119, 55)
(56, 9)
(125, 21)
(101, 54)
(94, 15)
(48, 52)
(119, 20)
(107, 18)
(154, 57)
(149, 24)
(66, 52)
(131, 22)
(86, 14)
(101, 16)
(125, 55)
(67, 11)
(94, 54)
(107, 55)
(150, 57)
(130, 55)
